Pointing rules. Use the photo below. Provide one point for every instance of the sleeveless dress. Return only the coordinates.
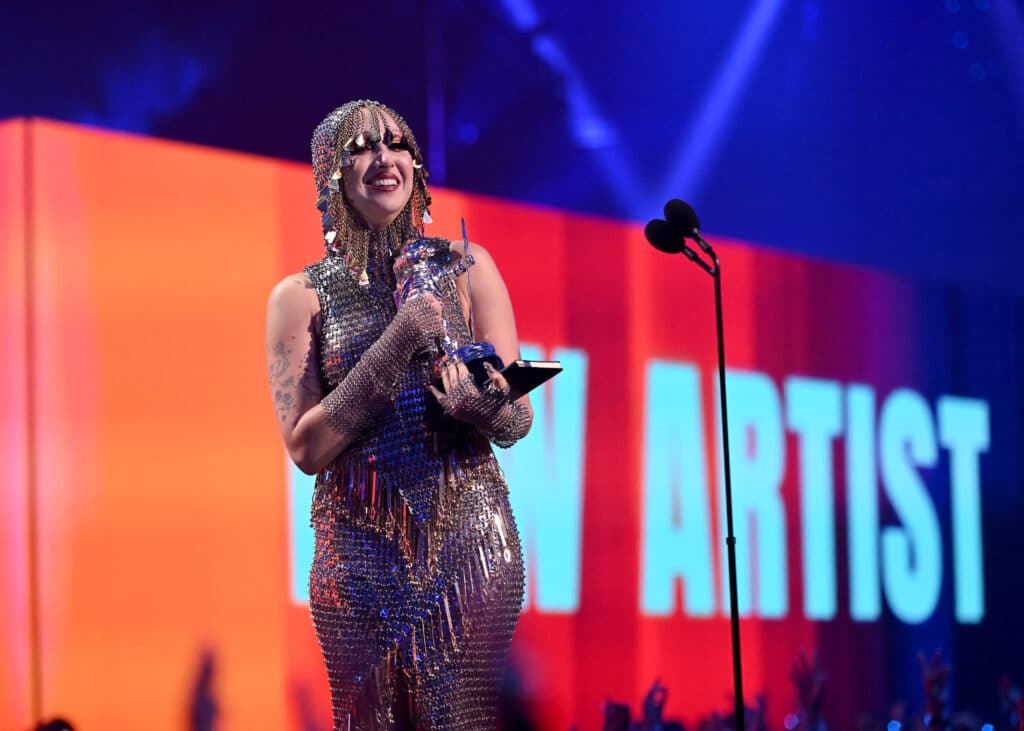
(417, 576)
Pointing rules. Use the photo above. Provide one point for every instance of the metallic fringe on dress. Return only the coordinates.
(367, 499)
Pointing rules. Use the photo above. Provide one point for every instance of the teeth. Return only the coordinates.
(385, 182)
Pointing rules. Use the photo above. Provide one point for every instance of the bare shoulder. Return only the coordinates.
(480, 255)
(294, 292)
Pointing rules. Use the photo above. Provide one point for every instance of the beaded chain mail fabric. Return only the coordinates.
(417, 576)
(348, 130)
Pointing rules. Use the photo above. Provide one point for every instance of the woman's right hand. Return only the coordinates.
(421, 321)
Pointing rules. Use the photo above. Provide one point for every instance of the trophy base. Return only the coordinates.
(473, 355)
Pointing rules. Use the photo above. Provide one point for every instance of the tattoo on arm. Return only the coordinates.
(280, 386)
(290, 391)
(284, 398)
(279, 364)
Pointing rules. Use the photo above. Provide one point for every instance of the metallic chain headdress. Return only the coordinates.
(343, 132)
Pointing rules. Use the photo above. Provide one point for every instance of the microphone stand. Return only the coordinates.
(715, 270)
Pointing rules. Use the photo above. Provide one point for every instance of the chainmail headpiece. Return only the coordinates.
(343, 132)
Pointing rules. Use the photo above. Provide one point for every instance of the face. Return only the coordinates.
(379, 181)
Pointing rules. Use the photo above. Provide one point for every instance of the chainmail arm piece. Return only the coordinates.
(366, 391)
(510, 424)
(502, 421)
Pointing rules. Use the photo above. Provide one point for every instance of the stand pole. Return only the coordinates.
(730, 540)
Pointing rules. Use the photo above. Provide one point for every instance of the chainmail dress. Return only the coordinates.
(417, 577)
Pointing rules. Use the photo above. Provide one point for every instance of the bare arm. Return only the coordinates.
(317, 427)
(293, 365)
(492, 308)
(495, 322)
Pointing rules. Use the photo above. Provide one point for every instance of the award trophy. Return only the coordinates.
(420, 269)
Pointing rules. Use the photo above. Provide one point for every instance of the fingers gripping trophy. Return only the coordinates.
(420, 270)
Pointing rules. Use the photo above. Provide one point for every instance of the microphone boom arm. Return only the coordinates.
(692, 255)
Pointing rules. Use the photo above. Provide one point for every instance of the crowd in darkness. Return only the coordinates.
(810, 683)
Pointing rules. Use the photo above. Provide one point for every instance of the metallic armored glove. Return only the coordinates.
(366, 391)
(509, 425)
(488, 409)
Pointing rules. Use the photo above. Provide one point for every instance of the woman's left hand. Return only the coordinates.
(462, 400)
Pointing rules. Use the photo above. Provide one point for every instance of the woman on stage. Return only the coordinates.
(417, 578)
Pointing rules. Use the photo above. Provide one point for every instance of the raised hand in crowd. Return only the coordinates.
(935, 678)
(654, 706)
(809, 679)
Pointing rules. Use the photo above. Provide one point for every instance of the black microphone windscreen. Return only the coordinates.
(663, 236)
(682, 216)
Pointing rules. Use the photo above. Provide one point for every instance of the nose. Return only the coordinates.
(383, 156)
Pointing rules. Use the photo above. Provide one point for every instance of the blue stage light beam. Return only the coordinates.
(697, 148)
(590, 129)
(523, 14)
(1009, 30)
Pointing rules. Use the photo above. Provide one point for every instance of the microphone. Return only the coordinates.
(664, 237)
(681, 215)
(683, 219)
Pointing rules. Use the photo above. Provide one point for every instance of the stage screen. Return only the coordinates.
(155, 538)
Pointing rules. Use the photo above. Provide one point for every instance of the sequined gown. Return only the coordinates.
(418, 568)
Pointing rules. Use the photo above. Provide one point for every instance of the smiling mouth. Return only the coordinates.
(384, 183)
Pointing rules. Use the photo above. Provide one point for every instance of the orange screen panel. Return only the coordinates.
(147, 494)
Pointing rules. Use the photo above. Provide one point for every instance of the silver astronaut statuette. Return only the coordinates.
(423, 267)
